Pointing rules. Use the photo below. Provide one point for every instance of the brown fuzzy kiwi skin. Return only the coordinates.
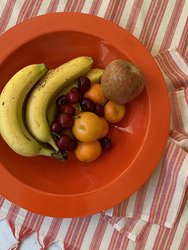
(122, 81)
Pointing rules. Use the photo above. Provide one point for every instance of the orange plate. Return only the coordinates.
(72, 188)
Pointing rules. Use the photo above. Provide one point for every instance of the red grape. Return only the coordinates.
(99, 110)
(65, 142)
(87, 105)
(67, 109)
(65, 120)
(61, 100)
(55, 127)
(84, 84)
(106, 143)
(74, 96)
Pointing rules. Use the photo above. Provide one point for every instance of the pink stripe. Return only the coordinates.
(165, 61)
(76, 232)
(25, 11)
(120, 210)
(95, 7)
(183, 45)
(174, 19)
(141, 243)
(133, 17)
(36, 8)
(184, 240)
(82, 231)
(99, 233)
(119, 11)
(176, 114)
(53, 230)
(118, 241)
(166, 184)
(162, 234)
(176, 135)
(70, 231)
(53, 6)
(29, 9)
(140, 199)
(11, 217)
(171, 187)
(80, 6)
(149, 22)
(68, 5)
(109, 10)
(155, 27)
(1, 201)
(181, 76)
(186, 95)
(6, 15)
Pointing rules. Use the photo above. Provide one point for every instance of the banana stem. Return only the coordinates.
(52, 143)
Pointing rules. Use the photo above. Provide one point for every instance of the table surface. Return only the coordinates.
(136, 16)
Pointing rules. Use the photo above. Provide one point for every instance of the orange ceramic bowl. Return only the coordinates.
(72, 188)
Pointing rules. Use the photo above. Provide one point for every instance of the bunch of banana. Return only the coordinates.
(12, 99)
(24, 102)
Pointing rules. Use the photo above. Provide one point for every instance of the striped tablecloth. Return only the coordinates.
(156, 216)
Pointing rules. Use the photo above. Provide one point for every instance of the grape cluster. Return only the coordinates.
(68, 106)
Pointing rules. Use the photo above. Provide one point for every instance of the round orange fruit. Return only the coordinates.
(114, 112)
(88, 152)
(87, 127)
(105, 127)
(95, 93)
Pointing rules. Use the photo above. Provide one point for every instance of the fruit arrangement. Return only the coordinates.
(66, 109)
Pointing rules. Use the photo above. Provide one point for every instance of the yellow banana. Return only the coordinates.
(45, 91)
(12, 98)
(94, 76)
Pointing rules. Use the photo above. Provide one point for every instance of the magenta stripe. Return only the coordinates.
(6, 15)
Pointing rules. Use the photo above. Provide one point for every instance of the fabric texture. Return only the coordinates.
(156, 216)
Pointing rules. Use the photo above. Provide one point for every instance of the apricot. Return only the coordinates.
(95, 93)
(88, 152)
(114, 112)
(87, 127)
